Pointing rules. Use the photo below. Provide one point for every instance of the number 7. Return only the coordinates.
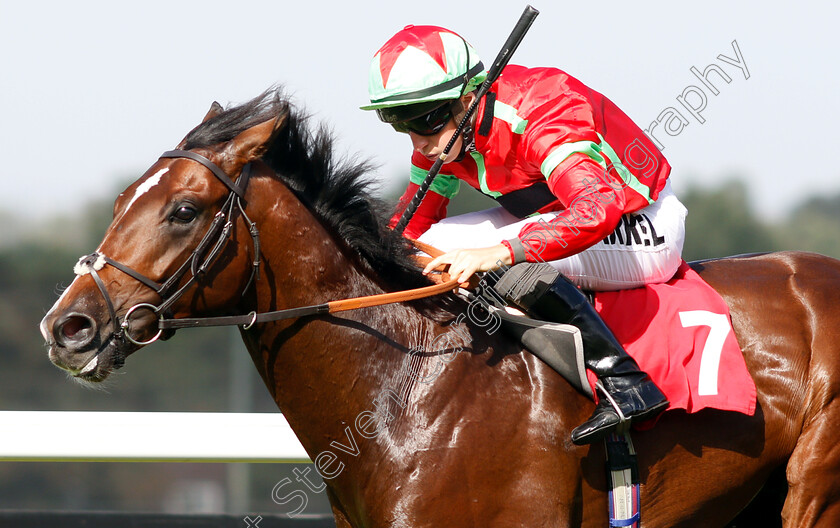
(710, 356)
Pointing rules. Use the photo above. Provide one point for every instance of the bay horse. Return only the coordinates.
(415, 415)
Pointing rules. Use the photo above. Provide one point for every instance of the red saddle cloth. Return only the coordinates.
(680, 333)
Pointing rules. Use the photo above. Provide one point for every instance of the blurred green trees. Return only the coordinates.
(721, 222)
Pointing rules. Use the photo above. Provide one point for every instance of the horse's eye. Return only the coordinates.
(184, 214)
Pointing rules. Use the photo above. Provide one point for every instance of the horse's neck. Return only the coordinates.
(325, 371)
(369, 392)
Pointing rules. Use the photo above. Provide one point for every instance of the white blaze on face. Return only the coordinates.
(145, 187)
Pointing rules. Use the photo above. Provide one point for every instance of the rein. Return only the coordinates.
(211, 245)
(252, 318)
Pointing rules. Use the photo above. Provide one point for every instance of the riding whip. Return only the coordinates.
(501, 61)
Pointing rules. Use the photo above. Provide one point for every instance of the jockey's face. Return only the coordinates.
(432, 146)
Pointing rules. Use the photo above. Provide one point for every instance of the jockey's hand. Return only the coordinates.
(464, 262)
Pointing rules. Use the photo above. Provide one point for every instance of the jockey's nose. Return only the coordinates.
(419, 143)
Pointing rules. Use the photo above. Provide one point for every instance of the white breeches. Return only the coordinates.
(645, 248)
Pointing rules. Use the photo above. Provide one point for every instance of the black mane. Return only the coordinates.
(338, 191)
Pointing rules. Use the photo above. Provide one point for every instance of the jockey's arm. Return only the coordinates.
(433, 207)
(593, 210)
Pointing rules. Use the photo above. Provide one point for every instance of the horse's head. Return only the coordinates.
(180, 243)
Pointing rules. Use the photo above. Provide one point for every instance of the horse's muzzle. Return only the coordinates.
(80, 345)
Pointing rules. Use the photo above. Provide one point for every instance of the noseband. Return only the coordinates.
(202, 257)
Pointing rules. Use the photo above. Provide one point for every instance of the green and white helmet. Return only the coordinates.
(423, 64)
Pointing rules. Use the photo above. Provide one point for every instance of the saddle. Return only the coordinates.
(560, 346)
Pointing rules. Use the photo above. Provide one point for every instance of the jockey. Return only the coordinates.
(581, 188)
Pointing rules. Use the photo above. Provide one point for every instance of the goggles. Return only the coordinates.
(424, 119)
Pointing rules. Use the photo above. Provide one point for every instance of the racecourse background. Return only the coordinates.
(92, 92)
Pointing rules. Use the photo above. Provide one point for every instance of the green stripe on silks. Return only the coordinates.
(445, 185)
(507, 113)
(628, 177)
(599, 153)
(482, 175)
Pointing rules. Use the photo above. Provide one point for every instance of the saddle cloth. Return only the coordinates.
(681, 334)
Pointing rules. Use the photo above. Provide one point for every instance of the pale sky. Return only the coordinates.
(91, 92)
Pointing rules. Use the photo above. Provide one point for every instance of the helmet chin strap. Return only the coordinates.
(467, 142)
(467, 136)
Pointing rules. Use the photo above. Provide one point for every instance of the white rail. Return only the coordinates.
(74, 436)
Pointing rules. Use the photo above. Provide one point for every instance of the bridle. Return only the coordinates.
(201, 259)
(206, 253)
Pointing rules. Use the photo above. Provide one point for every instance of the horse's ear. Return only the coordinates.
(215, 109)
(251, 143)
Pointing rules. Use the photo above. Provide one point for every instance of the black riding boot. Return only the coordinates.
(546, 294)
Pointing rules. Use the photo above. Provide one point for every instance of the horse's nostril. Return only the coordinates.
(74, 325)
(75, 330)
